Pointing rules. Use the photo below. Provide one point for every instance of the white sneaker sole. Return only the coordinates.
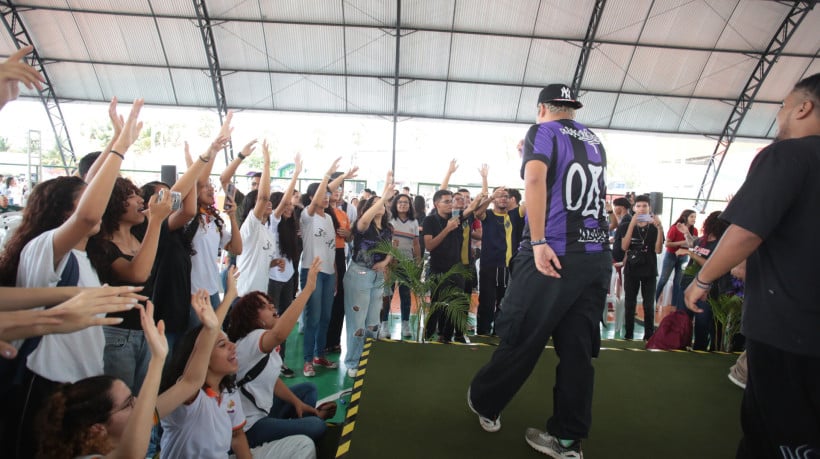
(485, 423)
(737, 382)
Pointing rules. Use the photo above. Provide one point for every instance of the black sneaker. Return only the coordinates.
(287, 372)
(545, 443)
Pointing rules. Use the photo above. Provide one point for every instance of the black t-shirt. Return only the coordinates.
(780, 203)
(364, 243)
(643, 243)
(171, 277)
(110, 251)
(448, 253)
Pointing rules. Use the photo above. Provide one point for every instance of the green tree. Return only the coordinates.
(4, 144)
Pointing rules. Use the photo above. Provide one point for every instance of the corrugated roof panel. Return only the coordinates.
(424, 98)
(309, 93)
(194, 88)
(369, 95)
(758, 120)
(672, 22)
(183, 43)
(606, 67)
(427, 13)
(174, 7)
(527, 104)
(488, 59)
(510, 16)
(551, 61)
(806, 40)
(725, 75)
(559, 18)
(218, 9)
(305, 48)
(478, 101)
(370, 51)
(783, 77)
(120, 39)
(302, 10)
(374, 12)
(247, 90)
(706, 117)
(597, 108)
(623, 20)
(111, 5)
(752, 26)
(55, 34)
(641, 112)
(240, 45)
(425, 54)
(663, 71)
(76, 81)
(129, 83)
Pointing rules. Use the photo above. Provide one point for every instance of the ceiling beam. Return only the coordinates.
(588, 44)
(798, 12)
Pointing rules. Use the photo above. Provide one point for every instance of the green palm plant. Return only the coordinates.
(410, 273)
(726, 312)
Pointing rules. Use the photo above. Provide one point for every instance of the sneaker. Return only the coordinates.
(737, 374)
(405, 329)
(462, 339)
(489, 425)
(308, 370)
(323, 362)
(545, 443)
(384, 331)
(351, 372)
(287, 372)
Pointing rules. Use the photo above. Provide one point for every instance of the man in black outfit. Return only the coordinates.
(772, 218)
(642, 240)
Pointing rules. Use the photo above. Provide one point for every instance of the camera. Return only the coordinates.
(176, 199)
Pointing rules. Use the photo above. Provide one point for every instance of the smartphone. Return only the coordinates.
(176, 199)
(456, 213)
(644, 218)
(230, 195)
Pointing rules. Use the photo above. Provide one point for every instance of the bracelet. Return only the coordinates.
(204, 160)
(700, 284)
(538, 242)
(118, 154)
(241, 156)
(327, 177)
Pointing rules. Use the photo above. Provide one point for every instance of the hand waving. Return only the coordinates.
(154, 332)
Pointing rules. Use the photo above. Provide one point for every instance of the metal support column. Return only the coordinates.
(205, 27)
(586, 48)
(19, 34)
(798, 12)
(396, 84)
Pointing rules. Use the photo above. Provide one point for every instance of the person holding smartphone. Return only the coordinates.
(642, 240)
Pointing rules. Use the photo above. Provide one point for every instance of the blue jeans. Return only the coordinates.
(671, 262)
(363, 303)
(126, 356)
(282, 421)
(317, 314)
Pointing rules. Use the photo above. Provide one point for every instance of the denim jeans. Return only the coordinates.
(317, 314)
(404, 299)
(281, 294)
(671, 262)
(363, 303)
(126, 356)
(282, 421)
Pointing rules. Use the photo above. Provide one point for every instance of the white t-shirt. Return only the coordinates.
(249, 353)
(274, 273)
(202, 429)
(207, 242)
(258, 249)
(405, 232)
(318, 240)
(66, 357)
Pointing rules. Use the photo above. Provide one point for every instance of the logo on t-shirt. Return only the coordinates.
(231, 408)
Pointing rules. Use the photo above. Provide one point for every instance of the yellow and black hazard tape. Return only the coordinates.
(353, 405)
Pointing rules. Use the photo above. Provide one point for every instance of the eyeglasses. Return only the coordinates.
(129, 403)
(403, 203)
(450, 201)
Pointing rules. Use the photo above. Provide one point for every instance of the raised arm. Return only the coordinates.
(322, 189)
(450, 170)
(227, 175)
(13, 72)
(337, 182)
(94, 199)
(484, 170)
(118, 122)
(263, 196)
(224, 133)
(364, 220)
(286, 197)
(280, 332)
(186, 185)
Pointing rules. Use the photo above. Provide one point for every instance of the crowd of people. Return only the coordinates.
(113, 289)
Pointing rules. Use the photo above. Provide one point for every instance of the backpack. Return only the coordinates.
(250, 376)
(673, 333)
(13, 371)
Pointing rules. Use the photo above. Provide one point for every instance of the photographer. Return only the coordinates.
(641, 239)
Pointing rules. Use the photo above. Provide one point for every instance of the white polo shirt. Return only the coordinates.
(249, 352)
(207, 242)
(318, 240)
(203, 428)
(258, 249)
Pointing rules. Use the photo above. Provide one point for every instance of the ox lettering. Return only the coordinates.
(590, 197)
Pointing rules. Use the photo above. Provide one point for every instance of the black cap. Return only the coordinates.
(558, 94)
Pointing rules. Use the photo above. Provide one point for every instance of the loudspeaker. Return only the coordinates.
(656, 202)
(168, 175)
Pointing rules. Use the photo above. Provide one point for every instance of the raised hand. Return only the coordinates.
(453, 166)
(116, 119)
(484, 170)
(217, 145)
(249, 147)
(334, 167)
(83, 309)
(297, 161)
(154, 333)
(130, 130)
(313, 273)
(226, 130)
(352, 172)
(158, 209)
(233, 274)
(389, 185)
(14, 71)
(201, 303)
